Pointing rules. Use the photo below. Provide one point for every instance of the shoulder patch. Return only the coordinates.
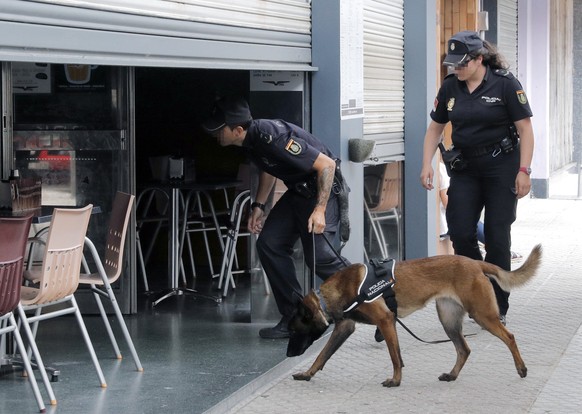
(521, 97)
(293, 147)
(503, 72)
(266, 138)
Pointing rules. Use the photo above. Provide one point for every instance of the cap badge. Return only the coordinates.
(293, 147)
(452, 45)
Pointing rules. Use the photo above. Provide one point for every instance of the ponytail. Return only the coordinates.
(491, 57)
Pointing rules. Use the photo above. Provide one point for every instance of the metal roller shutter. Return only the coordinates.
(384, 77)
(242, 34)
(507, 32)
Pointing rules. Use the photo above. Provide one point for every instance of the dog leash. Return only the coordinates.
(440, 341)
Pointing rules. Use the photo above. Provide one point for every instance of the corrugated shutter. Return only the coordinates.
(384, 77)
(507, 32)
(242, 34)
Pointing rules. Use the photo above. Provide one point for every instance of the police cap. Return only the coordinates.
(229, 110)
(460, 46)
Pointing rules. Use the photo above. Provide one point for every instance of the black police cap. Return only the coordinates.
(229, 110)
(460, 46)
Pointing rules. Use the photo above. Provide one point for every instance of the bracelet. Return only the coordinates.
(259, 205)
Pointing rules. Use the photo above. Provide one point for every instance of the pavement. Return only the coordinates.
(545, 317)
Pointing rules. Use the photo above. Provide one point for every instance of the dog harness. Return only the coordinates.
(378, 282)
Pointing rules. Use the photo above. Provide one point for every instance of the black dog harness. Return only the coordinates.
(378, 282)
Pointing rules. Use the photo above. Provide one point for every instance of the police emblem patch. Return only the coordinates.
(450, 104)
(293, 147)
(521, 97)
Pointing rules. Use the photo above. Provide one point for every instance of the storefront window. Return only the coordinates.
(69, 130)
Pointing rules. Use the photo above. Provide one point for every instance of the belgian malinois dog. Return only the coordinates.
(459, 285)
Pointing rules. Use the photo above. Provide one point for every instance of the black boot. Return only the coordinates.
(279, 331)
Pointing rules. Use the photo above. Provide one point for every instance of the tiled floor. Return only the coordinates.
(194, 352)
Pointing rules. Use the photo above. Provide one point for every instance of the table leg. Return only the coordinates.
(174, 254)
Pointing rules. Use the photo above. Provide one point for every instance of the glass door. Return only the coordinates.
(6, 127)
(71, 131)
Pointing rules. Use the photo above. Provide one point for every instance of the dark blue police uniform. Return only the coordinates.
(480, 121)
(288, 152)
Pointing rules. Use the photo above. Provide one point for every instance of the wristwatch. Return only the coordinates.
(259, 205)
(525, 170)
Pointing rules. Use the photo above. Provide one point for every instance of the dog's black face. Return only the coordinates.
(304, 330)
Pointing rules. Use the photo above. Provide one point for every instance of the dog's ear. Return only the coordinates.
(304, 312)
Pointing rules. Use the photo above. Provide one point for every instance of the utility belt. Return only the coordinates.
(506, 145)
(340, 189)
(308, 188)
(457, 159)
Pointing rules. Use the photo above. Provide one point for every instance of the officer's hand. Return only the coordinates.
(255, 222)
(522, 185)
(426, 177)
(316, 222)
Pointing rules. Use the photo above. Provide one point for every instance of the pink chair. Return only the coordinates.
(13, 236)
(57, 280)
(109, 269)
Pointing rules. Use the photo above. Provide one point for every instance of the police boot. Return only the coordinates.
(279, 331)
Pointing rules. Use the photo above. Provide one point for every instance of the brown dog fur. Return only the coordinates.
(458, 284)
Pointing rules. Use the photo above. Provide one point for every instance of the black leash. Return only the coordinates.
(397, 320)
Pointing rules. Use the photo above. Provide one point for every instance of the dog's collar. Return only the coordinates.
(322, 305)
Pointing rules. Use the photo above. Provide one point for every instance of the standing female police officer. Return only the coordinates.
(307, 167)
(488, 110)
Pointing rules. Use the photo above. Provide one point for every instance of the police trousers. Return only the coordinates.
(285, 224)
(487, 183)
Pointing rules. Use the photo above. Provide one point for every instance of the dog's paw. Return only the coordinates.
(447, 377)
(391, 383)
(301, 376)
(522, 372)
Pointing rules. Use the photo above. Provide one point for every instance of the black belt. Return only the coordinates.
(473, 152)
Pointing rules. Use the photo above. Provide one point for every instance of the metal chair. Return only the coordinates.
(232, 235)
(109, 269)
(200, 217)
(152, 208)
(57, 280)
(203, 217)
(14, 234)
(235, 231)
(382, 203)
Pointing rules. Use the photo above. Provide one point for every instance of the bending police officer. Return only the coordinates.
(311, 204)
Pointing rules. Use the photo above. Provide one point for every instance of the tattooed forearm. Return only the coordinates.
(324, 183)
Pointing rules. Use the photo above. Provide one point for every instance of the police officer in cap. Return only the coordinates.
(308, 169)
(492, 128)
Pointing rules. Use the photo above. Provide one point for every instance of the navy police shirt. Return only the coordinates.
(283, 150)
(481, 118)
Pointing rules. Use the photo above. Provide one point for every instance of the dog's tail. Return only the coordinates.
(518, 277)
